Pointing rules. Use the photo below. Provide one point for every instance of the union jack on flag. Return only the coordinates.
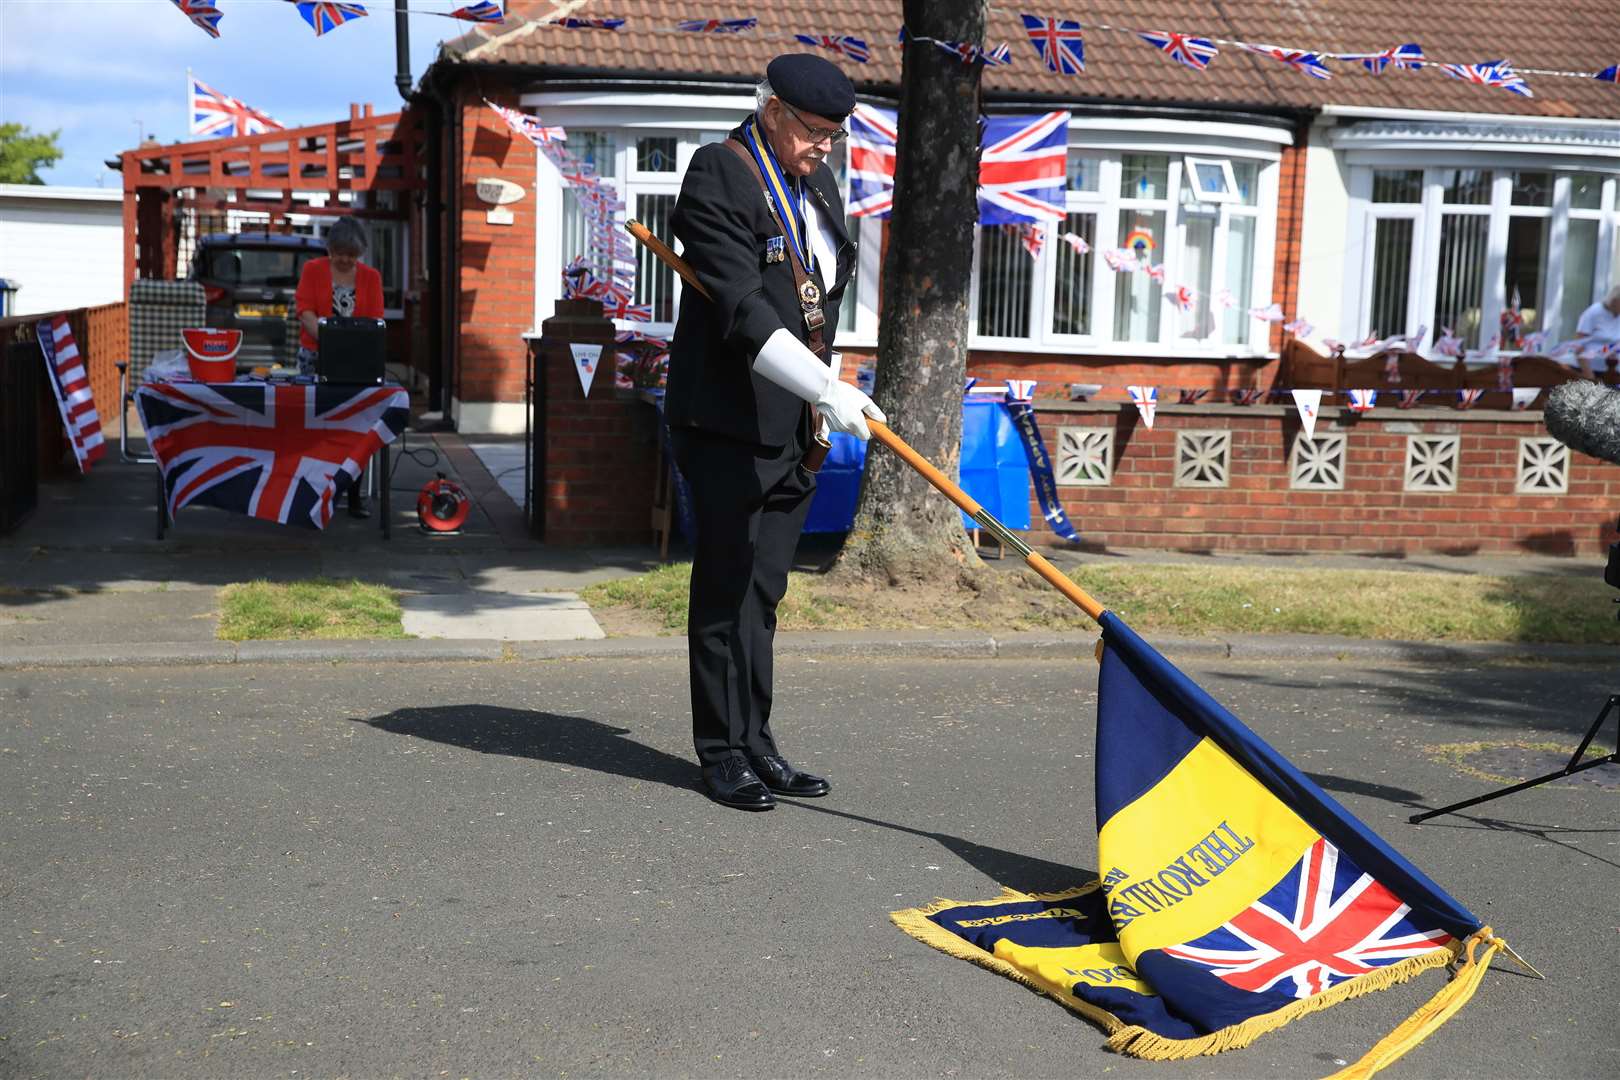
(574, 22)
(1032, 236)
(716, 26)
(1323, 924)
(1059, 42)
(219, 115)
(1497, 73)
(1120, 261)
(1609, 74)
(872, 135)
(528, 126)
(1448, 344)
(1075, 241)
(1195, 52)
(1272, 312)
(1022, 161)
(1184, 297)
(852, 47)
(1246, 395)
(1469, 397)
(1190, 397)
(623, 309)
(276, 452)
(1409, 398)
(1309, 63)
(325, 17)
(1155, 272)
(1408, 57)
(201, 12)
(483, 11)
(1146, 399)
(1362, 400)
(1299, 328)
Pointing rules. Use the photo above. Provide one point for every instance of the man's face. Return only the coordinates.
(799, 139)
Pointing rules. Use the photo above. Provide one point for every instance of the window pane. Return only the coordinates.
(1247, 174)
(1586, 191)
(1526, 275)
(1461, 275)
(1467, 187)
(596, 148)
(1397, 185)
(655, 153)
(1137, 297)
(1239, 277)
(1532, 189)
(1005, 279)
(1580, 263)
(655, 281)
(1392, 264)
(1071, 294)
(1144, 176)
(1196, 267)
(1084, 172)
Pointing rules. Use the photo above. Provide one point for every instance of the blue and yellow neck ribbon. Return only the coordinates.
(785, 197)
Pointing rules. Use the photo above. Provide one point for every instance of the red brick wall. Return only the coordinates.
(601, 450)
(1142, 507)
(495, 262)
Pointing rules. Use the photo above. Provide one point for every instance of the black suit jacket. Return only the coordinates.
(723, 221)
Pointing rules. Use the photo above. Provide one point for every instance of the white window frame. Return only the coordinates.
(1229, 188)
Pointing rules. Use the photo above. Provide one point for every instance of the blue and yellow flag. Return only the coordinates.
(1233, 893)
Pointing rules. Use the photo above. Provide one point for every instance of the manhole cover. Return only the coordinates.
(1511, 762)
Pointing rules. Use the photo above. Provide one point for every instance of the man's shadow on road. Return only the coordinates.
(578, 742)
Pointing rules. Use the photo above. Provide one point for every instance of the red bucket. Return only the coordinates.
(211, 354)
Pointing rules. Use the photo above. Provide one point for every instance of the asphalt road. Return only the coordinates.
(504, 869)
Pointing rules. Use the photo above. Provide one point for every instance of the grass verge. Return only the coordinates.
(304, 610)
(1190, 601)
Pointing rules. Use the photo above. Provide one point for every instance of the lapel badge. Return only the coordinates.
(776, 249)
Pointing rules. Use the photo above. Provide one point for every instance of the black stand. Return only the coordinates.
(1575, 765)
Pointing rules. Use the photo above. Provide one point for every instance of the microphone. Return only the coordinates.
(1585, 416)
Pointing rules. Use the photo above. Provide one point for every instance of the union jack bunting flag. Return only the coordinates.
(1299, 328)
(484, 11)
(201, 12)
(1468, 398)
(574, 22)
(1075, 241)
(323, 17)
(1155, 272)
(220, 116)
(1225, 299)
(1497, 73)
(1272, 312)
(1408, 57)
(1409, 398)
(71, 388)
(1184, 297)
(529, 127)
(1060, 43)
(1032, 236)
(1523, 396)
(1609, 74)
(852, 47)
(1448, 344)
(1362, 400)
(1247, 395)
(1191, 397)
(1022, 161)
(1146, 399)
(1309, 63)
(872, 135)
(1000, 56)
(716, 26)
(278, 452)
(1195, 52)
(621, 309)
(1121, 261)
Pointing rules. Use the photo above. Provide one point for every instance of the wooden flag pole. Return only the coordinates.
(881, 433)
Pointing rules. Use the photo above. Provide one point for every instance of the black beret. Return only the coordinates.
(811, 84)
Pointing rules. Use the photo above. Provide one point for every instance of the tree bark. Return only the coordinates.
(904, 529)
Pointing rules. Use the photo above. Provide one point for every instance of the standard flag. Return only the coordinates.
(1022, 161)
(70, 385)
(1060, 43)
(1309, 403)
(872, 136)
(219, 116)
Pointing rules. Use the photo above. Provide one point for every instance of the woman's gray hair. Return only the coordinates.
(346, 234)
(762, 94)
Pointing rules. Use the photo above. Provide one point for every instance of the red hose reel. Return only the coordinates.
(442, 506)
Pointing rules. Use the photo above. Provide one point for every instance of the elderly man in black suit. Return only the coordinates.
(750, 379)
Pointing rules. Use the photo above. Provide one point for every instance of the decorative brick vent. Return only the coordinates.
(1317, 464)
(1543, 467)
(1431, 462)
(1085, 457)
(1203, 459)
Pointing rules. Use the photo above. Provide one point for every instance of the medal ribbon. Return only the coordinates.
(792, 211)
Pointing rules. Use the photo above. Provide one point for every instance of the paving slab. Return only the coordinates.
(69, 618)
(556, 616)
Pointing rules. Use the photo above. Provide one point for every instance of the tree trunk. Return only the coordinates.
(903, 528)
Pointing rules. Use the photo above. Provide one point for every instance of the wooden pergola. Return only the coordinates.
(365, 153)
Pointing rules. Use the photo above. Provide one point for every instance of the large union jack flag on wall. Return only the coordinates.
(1022, 162)
(872, 135)
(277, 452)
(221, 116)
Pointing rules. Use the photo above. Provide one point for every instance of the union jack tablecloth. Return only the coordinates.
(281, 452)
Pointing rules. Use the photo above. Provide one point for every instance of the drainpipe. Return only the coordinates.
(402, 49)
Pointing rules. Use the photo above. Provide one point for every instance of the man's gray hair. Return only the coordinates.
(346, 234)
(762, 95)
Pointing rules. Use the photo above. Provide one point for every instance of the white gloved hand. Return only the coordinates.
(786, 362)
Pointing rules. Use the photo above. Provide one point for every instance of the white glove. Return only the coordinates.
(786, 362)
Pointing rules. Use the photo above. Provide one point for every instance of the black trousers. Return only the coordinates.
(749, 503)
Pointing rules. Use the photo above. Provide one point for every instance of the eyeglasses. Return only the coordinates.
(830, 136)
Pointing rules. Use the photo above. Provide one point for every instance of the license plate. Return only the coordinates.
(262, 311)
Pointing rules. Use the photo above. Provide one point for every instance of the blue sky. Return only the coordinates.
(96, 68)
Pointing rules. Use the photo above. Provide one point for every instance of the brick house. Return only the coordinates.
(1363, 204)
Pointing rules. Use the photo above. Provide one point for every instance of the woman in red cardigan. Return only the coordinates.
(339, 284)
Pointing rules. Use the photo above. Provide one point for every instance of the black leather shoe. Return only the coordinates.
(784, 779)
(732, 783)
